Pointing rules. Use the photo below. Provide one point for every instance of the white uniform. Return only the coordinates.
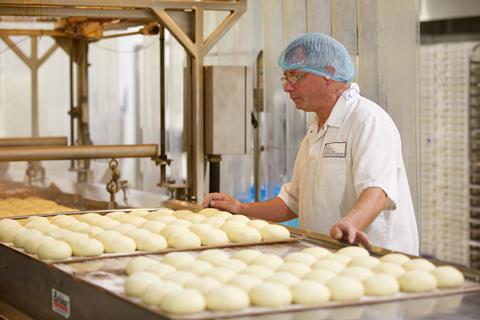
(358, 147)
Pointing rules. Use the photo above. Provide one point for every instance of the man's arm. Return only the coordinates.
(368, 206)
(272, 210)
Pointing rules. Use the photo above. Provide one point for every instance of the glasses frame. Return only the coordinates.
(292, 79)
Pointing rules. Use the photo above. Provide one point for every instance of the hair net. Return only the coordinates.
(313, 52)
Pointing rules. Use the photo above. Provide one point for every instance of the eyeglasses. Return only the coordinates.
(292, 78)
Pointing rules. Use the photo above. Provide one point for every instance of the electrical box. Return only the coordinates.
(228, 100)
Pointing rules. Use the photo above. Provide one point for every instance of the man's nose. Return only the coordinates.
(287, 87)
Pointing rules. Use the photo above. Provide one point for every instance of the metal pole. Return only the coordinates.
(79, 152)
(163, 156)
(34, 85)
(36, 141)
(72, 104)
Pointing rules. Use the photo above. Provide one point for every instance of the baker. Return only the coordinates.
(349, 178)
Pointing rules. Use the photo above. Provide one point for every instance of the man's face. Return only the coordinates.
(307, 90)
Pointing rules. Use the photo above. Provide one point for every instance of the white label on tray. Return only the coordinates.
(60, 303)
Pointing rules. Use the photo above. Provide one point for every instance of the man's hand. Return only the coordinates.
(346, 231)
(222, 201)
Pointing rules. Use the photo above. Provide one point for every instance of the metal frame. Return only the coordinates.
(166, 13)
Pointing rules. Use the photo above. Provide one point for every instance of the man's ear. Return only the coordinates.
(330, 69)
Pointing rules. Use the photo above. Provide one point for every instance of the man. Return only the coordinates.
(349, 178)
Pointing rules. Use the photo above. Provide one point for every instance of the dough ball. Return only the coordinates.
(320, 275)
(230, 226)
(180, 277)
(213, 256)
(136, 283)
(107, 235)
(76, 226)
(345, 289)
(195, 218)
(59, 234)
(87, 248)
(257, 224)
(268, 260)
(136, 221)
(165, 211)
(121, 244)
(197, 267)
(275, 232)
(106, 223)
(115, 214)
(353, 252)
(154, 293)
(180, 214)
(359, 273)
(381, 285)
(310, 293)
(183, 301)
(208, 211)
(33, 218)
(184, 240)
(418, 264)
(123, 228)
(89, 218)
(139, 212)
(138, 234)
(296, 268)
(160, 269)
(364, 261)
(239, 217)
(180, 222)
(177, 259)
(448, 277)
(233, 264)
(32, 244)
(92, 231)
(170, 230)
(396, 258)
(7, 234)
(417, 281)
(54, 250)
(74, 237)
(317, 252)
(221, 274)
(227, 298)
(23, 235)
(139, 264)
(268, 294)
(8, 223)
(200, 227)
(44, 228)
(213, 237)
(392, 269)
(166, 219)
(151, 242)
(301, 257)
(329, 265)
(343, 259)
(62, 220)
(223, 214)
(203, 284)
(245, 282)
(261, 272)
(216, 222)
(284, 278)
(246, 255)
(244, 235)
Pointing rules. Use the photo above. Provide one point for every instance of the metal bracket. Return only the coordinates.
(115, 184)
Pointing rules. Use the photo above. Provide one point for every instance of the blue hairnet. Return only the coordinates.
(313, 52)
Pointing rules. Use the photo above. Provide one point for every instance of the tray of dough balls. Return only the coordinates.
(80, 236)
(262, 279)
